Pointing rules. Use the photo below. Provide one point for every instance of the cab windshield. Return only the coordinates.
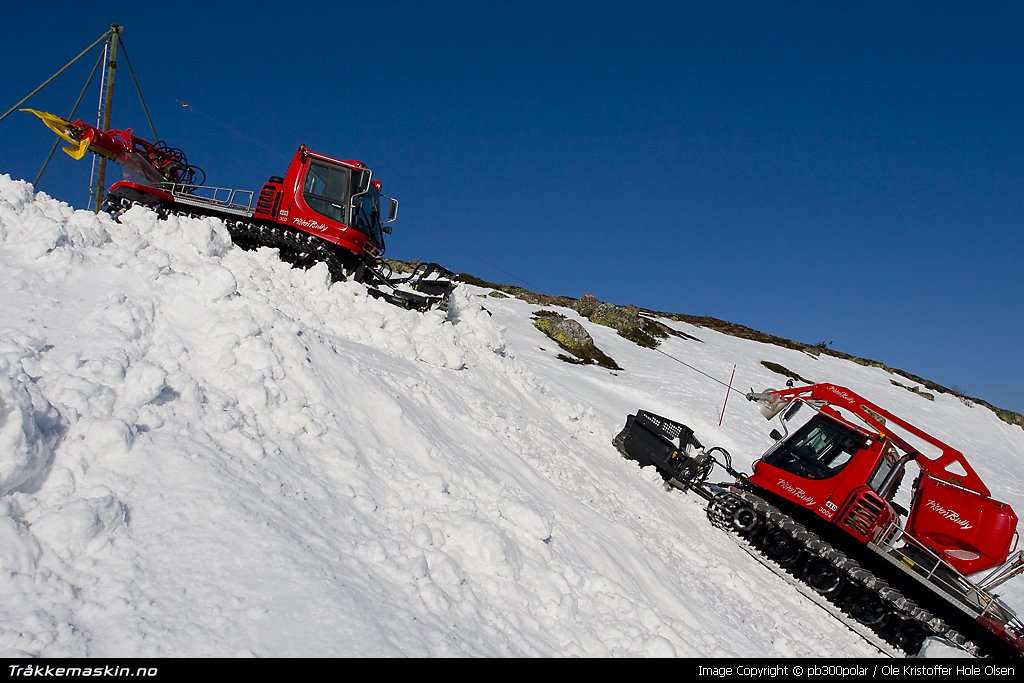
(366, 214)
(818, 450)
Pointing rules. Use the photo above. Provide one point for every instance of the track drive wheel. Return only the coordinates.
(746, 521)
(910, 635)
(867, 608)
(824, 577)
(782, 548)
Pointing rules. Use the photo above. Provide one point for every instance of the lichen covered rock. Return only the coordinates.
(572, 337)
(625, 319)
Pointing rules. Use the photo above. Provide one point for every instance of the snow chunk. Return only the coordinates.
(106, 435)
(939, 648)
(35, 234)
(532, 522)
(142, 383)
(81, 524)
(207, 235)
(14, 193)
(24, 451)
(86, 229)
(19, 551)
(216, 282)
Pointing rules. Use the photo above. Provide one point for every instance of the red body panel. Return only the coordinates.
(972, 532)
(143, 194)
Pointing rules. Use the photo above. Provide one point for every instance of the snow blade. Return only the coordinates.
(428, 286)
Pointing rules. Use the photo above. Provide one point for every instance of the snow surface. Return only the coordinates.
(204, 452)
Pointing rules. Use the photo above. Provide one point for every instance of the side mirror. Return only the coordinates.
(392, 209)
(791, 411)
(775, 434)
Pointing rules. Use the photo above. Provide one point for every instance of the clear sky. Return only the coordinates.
(839, 173)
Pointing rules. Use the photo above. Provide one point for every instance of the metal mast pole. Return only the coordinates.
(94, 163)
(108, 101)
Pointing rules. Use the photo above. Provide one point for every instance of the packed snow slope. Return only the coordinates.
(204, 452)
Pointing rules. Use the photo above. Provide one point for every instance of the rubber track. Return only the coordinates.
(870, 637)
(722, 510)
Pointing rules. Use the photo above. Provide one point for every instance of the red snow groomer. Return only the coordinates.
(821, 505)
(322, 209)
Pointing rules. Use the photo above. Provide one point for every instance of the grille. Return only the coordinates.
(864, 513)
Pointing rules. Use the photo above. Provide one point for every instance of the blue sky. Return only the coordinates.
(842, 173)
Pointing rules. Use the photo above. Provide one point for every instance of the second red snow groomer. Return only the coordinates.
(822, 505)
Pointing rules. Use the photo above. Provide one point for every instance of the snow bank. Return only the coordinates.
(204, 452)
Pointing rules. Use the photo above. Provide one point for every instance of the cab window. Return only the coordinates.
(327, 189)
(887, 464)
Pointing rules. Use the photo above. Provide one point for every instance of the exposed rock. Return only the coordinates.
(573, 338)
(624, 319)
(1009, 417)
(917, 390)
